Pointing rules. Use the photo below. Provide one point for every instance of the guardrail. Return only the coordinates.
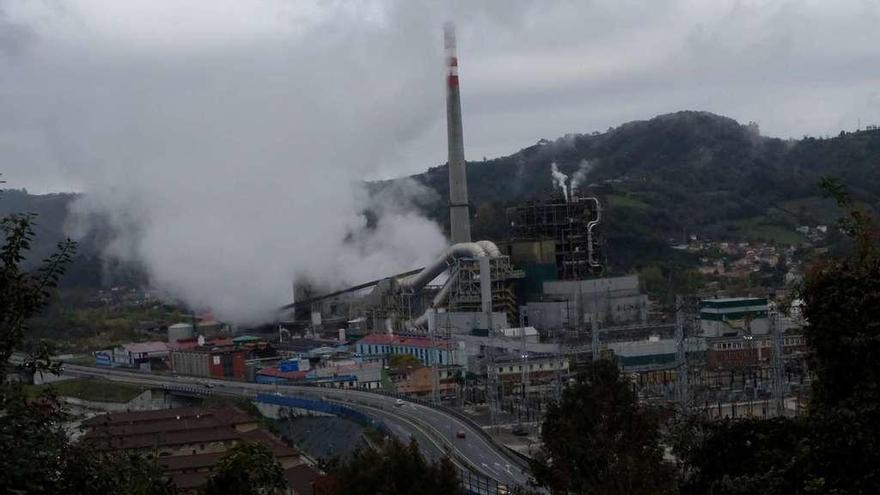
(517, 460)
(480, 482)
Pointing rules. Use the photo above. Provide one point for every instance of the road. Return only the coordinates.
(434, 429)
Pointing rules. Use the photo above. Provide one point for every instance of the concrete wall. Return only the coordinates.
(190, 363)
(614, 300)
(458, 322)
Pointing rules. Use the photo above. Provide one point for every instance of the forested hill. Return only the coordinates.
(659, 179)
(686, 172)
(51, 210)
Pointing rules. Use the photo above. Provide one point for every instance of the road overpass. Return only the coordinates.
(434, 428)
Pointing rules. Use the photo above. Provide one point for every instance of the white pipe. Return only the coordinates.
(418, 281)
(491, 249)
(441, 296)
(591, 255)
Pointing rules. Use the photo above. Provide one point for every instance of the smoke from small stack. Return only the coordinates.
(559, 180)
(580, 177)
(459, 211)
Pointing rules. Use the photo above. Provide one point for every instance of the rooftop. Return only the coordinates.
(210, 419)
(146, 416)
(406, 341)
(146, 347)
(288, 375)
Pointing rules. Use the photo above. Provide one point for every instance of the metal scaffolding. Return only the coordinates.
(570, 225)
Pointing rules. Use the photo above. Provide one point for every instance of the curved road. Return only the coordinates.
(434, 429)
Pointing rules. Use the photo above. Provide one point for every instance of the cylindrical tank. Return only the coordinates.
(180, 331)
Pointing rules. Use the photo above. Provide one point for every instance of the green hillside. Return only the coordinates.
(685, 173)
(681, 173)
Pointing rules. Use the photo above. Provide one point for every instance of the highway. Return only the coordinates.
(435, 430)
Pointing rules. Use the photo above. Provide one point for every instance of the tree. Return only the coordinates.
(836, 448)
(842, 309)
(738, 456)
(247, 469)
(394, 468)
(402, 360)
(37, 456)
(599, 440)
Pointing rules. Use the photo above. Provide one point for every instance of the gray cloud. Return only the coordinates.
(227, 140)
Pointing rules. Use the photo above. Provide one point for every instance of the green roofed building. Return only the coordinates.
(735, 316)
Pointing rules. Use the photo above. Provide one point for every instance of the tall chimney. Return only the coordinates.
(459, 211)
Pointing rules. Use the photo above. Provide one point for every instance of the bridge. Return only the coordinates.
(485, 467)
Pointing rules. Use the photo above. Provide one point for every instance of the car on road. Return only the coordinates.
(399, 402)
(520, 431)
(460, 434)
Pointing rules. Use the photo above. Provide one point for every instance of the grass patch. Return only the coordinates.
(90, 389)
(82, 360)
(756, 230)
(387, 385)
(618, 201)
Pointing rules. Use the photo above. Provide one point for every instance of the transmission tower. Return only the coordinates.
(682, 393)
(777, 334)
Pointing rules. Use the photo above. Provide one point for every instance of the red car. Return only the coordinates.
(460, 434)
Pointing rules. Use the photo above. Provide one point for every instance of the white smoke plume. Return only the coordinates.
(559, 180)
(230, 156)
(580, 176)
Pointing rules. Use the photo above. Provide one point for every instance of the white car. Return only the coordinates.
(399, 402)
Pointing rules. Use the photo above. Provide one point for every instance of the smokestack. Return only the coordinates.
(459, 211)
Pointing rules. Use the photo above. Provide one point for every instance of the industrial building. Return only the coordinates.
(574, 303)
(556, 237)
(734, 317)
(210, 362)
(428, 351)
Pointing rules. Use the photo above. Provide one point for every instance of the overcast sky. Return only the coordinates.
(73, 72)
(225, 140)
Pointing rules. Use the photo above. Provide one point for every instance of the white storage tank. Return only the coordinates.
(180, 331)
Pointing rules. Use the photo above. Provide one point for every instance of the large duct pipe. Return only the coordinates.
(432, 271)
(491, 249)
(464, 250)
(459, 211)
(441, 296)
(591, 251)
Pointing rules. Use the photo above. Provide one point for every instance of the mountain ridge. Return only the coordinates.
(676, 174)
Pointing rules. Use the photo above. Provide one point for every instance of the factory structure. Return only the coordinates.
(506, 322)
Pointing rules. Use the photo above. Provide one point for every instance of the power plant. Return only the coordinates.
(513, 317)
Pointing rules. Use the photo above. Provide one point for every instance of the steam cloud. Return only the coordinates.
(233, 161)
(559, 179)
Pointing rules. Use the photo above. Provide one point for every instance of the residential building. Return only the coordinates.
(140, 354)
(190, 441)
(734, 317)
(418, 380)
